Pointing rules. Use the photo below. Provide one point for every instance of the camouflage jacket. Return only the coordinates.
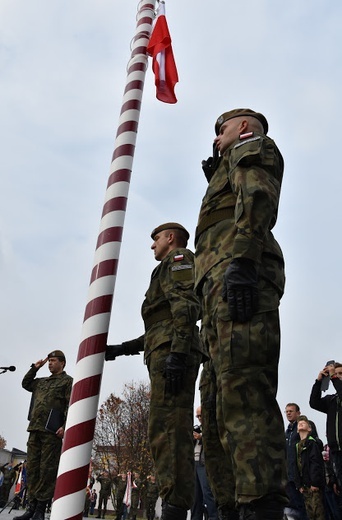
(152, 491)
(47, 393)
(171, 308)
(120, 486)
(106, 485)
(240, 209)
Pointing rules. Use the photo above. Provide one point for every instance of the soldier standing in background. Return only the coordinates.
(9, 478)
(44, 446)
(105, 490)
(152, 494)
(240, 280)
(120, 482)
(135, 496)
(173, 353)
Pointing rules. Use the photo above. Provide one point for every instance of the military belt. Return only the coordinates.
(163, 314)
(213, 218)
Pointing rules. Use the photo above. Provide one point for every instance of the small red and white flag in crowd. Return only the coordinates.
(163, 64)
(18, 482)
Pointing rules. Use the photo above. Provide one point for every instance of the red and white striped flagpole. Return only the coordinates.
(72, 476)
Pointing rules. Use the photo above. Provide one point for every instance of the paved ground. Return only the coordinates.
(9, 515)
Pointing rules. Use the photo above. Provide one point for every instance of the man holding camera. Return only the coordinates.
(203, 494)
(332, 406)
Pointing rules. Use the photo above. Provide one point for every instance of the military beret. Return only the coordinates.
(169, 225)
(58, 354)
(238, 112)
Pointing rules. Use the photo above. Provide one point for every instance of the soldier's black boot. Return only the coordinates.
(39, 513)
(99, 513)
(170, 512)
(29, 511)
(227, 513)
(269, 507)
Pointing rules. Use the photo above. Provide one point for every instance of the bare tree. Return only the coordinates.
(120, 440)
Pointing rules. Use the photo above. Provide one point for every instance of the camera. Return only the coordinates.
(197, 429)
(326, 378)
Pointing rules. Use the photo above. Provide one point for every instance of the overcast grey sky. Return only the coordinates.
(62, 76)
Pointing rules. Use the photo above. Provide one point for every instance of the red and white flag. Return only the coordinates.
(18, 482)
(163, 64)
(128, 492)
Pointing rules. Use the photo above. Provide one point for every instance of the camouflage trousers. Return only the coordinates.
(170, 430)
(314, 504)
(134, 506)
(103, 500)
(245, 362)
(218, 464)
(43, 454)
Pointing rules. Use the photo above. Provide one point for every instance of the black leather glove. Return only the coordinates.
(240, 289)
(127, 348)
(113, 351)
(210, 165)
(174, 372)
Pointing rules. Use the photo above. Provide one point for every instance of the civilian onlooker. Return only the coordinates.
(331, 496)
(310, 474)
(331, 405)
(204, 499)
(93, 498)
(296, 506)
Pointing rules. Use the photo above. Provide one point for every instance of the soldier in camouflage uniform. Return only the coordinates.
(120, 482)
(151, 494)
(9, 478)
(173, 354)
(105, 490)
(43, 446)
(135, 496)
(218, 465)
(240, 280)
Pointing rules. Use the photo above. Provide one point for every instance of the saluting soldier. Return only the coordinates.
(50, 398)
(173, 353)
(105, 491)
(240, 280)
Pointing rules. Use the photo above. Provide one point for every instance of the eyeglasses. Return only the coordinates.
(198, 416)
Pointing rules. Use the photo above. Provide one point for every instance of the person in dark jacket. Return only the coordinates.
(310, 473)
(331, 405)
(296, 506)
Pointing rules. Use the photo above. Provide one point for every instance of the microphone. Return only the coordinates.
(11, 369)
